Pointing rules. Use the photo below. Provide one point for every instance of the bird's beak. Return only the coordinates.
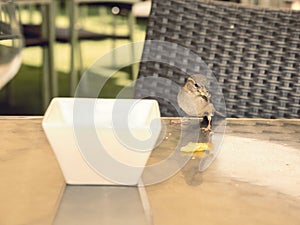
(202, 92)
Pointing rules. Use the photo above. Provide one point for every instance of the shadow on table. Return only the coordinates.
(101, 205)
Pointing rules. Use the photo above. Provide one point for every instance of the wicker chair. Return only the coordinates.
(253, 53)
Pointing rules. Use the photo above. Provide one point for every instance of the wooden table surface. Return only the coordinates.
(254, 180)
(31, 182)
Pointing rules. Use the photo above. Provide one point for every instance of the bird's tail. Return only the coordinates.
(217, 113)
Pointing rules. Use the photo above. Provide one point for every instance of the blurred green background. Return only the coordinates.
(23, 95)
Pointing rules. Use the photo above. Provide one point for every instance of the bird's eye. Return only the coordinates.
(196, 85)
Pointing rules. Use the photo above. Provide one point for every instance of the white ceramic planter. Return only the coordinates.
(102, 141)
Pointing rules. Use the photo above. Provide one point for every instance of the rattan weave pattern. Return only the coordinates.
(254, 54)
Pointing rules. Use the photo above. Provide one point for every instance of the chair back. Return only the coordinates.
(253, 52)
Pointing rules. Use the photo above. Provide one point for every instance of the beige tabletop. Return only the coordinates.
(31, 182)
(255, 178)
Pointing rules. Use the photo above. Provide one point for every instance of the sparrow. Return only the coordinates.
(194, 99)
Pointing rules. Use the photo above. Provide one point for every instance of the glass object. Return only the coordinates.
(295, 5)
(11, 42)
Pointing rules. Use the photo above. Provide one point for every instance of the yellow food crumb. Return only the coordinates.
(197, 147)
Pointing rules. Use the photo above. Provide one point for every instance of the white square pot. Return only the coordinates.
(102, 141)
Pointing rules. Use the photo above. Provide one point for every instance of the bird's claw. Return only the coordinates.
(206, 130)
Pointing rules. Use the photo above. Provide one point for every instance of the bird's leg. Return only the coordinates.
(208, 127)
